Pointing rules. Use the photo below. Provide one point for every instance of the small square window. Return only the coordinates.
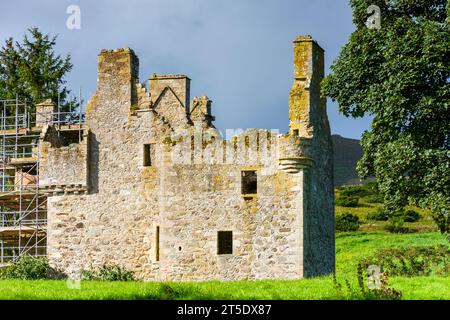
(225, 242)
(249, 182)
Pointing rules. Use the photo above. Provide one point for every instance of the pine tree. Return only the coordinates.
(10, 82)
(33, 72)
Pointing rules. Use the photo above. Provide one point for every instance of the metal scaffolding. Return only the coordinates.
(23, 206)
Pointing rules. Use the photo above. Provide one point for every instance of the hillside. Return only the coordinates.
(347, 152)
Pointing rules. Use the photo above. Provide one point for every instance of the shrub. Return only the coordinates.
(383, 215)
(393, 228)
(29, 268)
(354, 191)
(411, 216)
(364, 292)
(412, 261)
(374, 198)
(347, 201)
(396, 223)
(379, 215)
(374, 195)
(347, 222)
(108, 273)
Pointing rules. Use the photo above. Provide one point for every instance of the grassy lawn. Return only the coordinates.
(350, 247)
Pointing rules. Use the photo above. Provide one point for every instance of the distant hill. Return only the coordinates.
(347, 152)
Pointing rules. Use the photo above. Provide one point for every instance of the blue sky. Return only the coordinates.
(239, 53)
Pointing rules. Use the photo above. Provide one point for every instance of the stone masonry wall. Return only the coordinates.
(60, 165)
(191, 191)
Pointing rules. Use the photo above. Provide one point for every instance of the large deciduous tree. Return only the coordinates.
(399, 74)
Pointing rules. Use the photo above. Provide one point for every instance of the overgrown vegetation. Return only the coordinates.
(411, 216)
(350, 196)
(396, 223)
(412, 261)
(379, 215)
(377, 291)
(373, 214)
(347, 222)
(29, 268)
(347, 201)
(108, 273)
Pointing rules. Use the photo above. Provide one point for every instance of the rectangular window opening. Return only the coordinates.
(157, 244)
(249, 183)
(224, 242)
(149, 151)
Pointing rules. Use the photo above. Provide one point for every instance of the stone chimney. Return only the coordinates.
(118, 71)
(200, 112)
(118, 75)
(306, 107)
(45, 112)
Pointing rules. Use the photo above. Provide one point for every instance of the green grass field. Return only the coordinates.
(350, 248)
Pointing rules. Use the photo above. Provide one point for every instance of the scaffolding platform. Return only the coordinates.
(26, 161)
(23, 204)
(8, 231)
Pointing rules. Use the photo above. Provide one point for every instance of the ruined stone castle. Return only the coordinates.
(151, 184)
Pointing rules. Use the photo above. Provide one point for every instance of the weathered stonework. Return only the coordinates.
(160, 216)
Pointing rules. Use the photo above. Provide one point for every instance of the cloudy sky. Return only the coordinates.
(238, 52)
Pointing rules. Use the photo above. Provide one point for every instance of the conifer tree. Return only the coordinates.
(32, 71)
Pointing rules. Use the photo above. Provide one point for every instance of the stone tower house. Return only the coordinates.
(153, 186)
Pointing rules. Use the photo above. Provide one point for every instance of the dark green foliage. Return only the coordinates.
(374, 198)
(373, 193)
(412, 261)
(400, 75)
(382, 214)
(398, 228)
(347, 222)
(369, 191)
(354, 191)
(33, 72)
(29, 268)
(108, 273)
(379, 215)
(396, 223)
(346, 201)
(411, 216)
